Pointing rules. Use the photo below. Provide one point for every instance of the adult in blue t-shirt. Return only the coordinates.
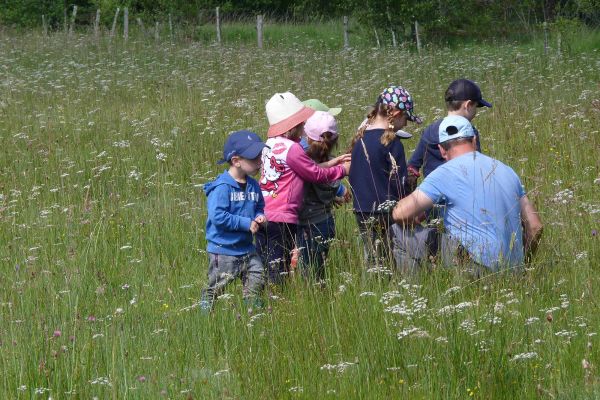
(487, 211)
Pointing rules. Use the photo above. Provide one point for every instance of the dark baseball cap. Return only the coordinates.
(463, 90)
(243, 144)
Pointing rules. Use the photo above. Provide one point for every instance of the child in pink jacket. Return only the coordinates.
(285, 169)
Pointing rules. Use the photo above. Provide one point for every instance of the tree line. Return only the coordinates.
(438, 19)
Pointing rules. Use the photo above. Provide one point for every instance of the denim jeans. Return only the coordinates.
(223, 269)
(313, 242)
(274, 244)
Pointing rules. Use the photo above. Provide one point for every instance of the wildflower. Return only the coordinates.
(531, 320)
(566, 334)
(57, 333)
(525, 356)
(452, 290)
(141, 379)
(341, 367)
(412, 331)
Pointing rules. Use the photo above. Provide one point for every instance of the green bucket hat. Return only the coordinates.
(318, 106)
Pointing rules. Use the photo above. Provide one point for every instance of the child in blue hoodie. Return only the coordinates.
(235, 212)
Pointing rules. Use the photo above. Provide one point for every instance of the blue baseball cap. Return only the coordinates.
(455, 127)
(243, 144)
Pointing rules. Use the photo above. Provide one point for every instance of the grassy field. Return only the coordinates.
(104, 151)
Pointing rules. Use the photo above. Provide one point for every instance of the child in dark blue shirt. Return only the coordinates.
(378, 171)
(462, 97)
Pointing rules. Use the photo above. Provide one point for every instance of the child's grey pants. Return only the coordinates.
(223, 269)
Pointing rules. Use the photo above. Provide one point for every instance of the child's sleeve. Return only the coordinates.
(416, 160)
(260, 204)
(218, 211)
(308, 170)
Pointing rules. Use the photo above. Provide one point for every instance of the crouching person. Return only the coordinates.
(235, 212)
(489, 223)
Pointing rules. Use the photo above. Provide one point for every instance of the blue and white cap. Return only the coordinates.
(455, 127)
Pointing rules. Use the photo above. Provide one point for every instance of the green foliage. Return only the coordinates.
(441, 21)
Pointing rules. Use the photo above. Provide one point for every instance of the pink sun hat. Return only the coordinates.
(285, 111)
(319, 123)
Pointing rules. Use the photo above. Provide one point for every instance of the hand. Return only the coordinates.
(336, 161)
(347, 196)
(411, 183)
(420, 218)
(254, 227)
(412, 171)
(342, 159)
(347, 167)
(412, 178)
(261, 220)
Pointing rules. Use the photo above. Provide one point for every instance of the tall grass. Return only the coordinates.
(105, 147)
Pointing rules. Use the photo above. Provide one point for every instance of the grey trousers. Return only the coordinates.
(413, 246)
(223, 269)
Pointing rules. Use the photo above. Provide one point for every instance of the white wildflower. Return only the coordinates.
(525, 356)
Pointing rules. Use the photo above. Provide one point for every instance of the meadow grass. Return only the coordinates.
(104, 151)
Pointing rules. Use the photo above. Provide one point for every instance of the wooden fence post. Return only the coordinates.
(218, 27)
(97, 25)
(558, 43)
(171, 27)
(126, 23)
(346, 39)
(44, 26)
(389, 17)
(418, 37)
(73, 20)
(142, 27)
(259, 30)
(66, 25)
(156, 32)
(114, 24)
(546, 38)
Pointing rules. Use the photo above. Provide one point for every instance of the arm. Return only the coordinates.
(260, 217)
(218, 211)
(478, 139)
(410, 208)
(416, 160)
(336, 161)
(308, 171)
(532, 226)
(260, 204)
